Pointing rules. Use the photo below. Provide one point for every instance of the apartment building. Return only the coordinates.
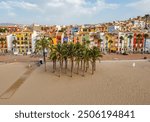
(22, 42)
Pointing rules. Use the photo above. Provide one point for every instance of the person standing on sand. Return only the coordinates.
(133, 64)
(40, 61)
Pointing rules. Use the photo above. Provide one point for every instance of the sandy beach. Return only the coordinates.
(114, 83)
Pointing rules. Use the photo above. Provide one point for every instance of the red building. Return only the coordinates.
(138, 42)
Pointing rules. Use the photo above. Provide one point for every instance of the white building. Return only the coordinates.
(121, 43)
(103, 43)
(10, 39)
(113, 28)
(58, 27)
(34, 38)
(147, 45)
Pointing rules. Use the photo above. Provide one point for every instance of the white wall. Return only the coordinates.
(147, 45)
(9, 42)
(34, 35)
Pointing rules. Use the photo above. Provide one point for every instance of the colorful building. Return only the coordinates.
(23, 43)
(112, 45)
(138, 42)
(3, 44)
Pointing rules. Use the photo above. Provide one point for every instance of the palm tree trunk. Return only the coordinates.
(66, 65)
(53, 66)
(81, 64)
(60, 68)
(77, 67)
(44, 58)
(84, 68)
(92, 67)
(15, 47)
(62, 63)
(71, 67)
(24, 49)
(130, 46)
(45, 66)
(87, 66)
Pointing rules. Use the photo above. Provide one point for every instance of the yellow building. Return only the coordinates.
(54, 41)
(23, 42)
(112, 43)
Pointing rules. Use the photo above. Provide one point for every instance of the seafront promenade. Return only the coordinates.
(12, 58)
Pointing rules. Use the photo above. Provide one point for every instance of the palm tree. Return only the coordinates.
(65, 55)
(121, 39)
(43, 44)
(71, 55)
(14, 42)
(110, 43)
(94, 55)
(53, 57)
(145, 38)
(130, 38)
(59, 56)
(107, 43)
(86, 58)
(78, 54)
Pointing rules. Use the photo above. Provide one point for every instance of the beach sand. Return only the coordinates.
(9, 73)
(114, 83)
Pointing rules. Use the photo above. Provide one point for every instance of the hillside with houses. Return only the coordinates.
(123, 37)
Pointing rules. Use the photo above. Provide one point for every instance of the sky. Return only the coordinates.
(66, 12)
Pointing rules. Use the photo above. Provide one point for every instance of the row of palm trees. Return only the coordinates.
(75, 57)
